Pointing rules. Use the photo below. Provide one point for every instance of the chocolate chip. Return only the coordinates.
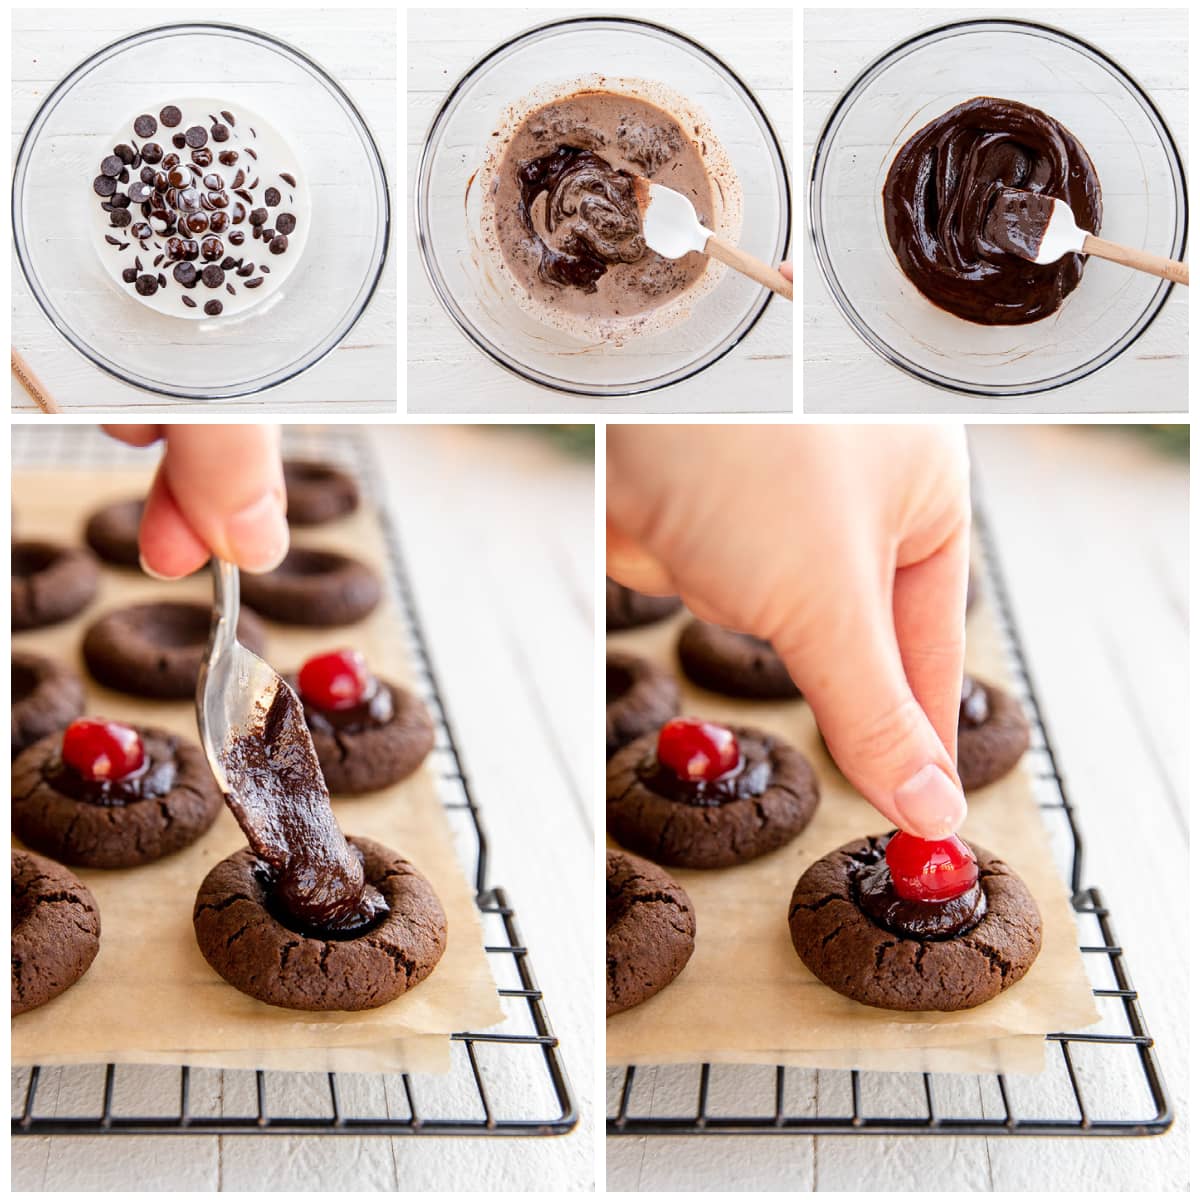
(171, 161)
(170, 116)
(175, 247)
(214, 183)
(139, 192)
(188, 301)
(178, 141)
(245, 195)
(147, 285)
(184, 273)
(228, 158)
(213, 276)
(272, 197)
(137, 261)
(120, 200)
(152, 152)
(104, 185)
(228, 117)
(145, 126)
(238, 212)
(265, 269)
(189, 199)
(161, 182)
(196, 136)
(129, 274)
(124, 153)
(238, 179)
(147, 174)
(252, 152)
(162, 280)
(212, 248)
(231, 289)
(191, 248)
(196, 223)
(220, 133)
(246, 270)
(259, 216)
(124, 176)
(206, 201)
(253, 185)
(237, 237)
(278, 244)
(214, 308)
(157, 259)
(141, 230)
(179, 177)
(111, 165)
(218, 222)
(120, 218)
(288, 179)
(112, 241)
(202, 157)
(253, 283)
(285, 223)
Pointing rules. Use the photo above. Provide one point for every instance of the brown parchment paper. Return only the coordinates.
(150, 996)
(745, 996)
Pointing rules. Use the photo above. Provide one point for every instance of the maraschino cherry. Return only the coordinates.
(334, 681)
(102, 750)
(697, 750)
(930, 871)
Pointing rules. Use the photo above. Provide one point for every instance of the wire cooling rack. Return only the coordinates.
(1117, 1053)
(509, 1082)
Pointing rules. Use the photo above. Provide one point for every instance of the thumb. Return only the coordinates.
(852, 676)
(227, 481)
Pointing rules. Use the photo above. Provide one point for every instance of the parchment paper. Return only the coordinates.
(746, 997)
(150, 996)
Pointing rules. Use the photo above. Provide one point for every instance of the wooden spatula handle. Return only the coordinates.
(747, 264)
(1152, 264)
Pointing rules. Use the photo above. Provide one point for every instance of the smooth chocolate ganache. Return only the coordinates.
(279, 797)
(564, 205)
(751, 777)
(939, 207)
(925, 919)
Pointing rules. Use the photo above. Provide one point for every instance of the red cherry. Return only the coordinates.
(697, 749)
(101, 750)
(930, 871)
(336, 680)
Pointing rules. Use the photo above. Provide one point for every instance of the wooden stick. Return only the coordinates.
(32, 384)
(1152, 264)
(747, 264)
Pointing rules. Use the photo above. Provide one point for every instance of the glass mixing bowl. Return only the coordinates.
(448, 229)
(1141, 179)
(326, 293)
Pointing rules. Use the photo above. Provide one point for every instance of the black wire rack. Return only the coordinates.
(509, 1082)
(708, 1098)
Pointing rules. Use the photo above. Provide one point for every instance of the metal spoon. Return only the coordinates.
(672, 229)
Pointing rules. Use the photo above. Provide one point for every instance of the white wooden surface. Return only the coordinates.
(841, 373)
(356, 46)
(446, 374)
(497, 531)
(1093, 540)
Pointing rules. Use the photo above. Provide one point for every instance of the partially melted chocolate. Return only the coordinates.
(279, 797)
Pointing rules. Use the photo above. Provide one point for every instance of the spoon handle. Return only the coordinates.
(747, 264)
(1152, 264)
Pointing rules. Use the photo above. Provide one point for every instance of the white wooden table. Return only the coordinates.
(1092, 536)
(497, 531)
(357, 47)
(841, 373)
(446, 374)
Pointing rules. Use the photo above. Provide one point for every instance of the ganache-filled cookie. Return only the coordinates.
(627, 609)
(46, 695)
(993, 734)
(105, 794)
(734, 664)
(641, 698)
(55, 930)
(651, 930)
(696, 794)
(314, 587)
(112, 532)
(247, 940)
(896, 922)
(50, 583)
(317, 492)
(155, 649)
(367, 733)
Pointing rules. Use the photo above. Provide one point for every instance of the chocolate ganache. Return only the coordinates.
(153, 780)
(751, 777)
(938, 203)
(924, 919)
(373, 710)
(591, 214)
(279, 797)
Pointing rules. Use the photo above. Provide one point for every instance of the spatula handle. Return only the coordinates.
(1139, 260)
(747, 264)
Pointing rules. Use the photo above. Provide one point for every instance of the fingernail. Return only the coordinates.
(152, 572)
(931, 803)
(258, 535)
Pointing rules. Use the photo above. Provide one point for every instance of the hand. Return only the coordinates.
(218, 490)
(785, 269)
(846, 547)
